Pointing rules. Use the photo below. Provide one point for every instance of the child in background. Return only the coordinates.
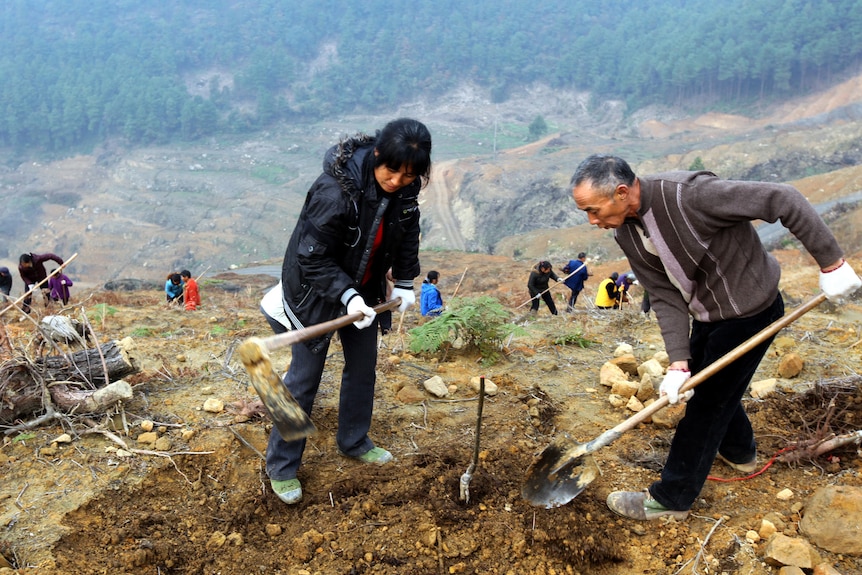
(59, 285)
(174, 288)
(431, 302)
(190, 291)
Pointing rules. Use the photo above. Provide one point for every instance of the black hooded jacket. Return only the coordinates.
(329, 250)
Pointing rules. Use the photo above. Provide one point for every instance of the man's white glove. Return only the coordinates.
(671, 383)
(407, 296)
(840, 282)
(357, 304)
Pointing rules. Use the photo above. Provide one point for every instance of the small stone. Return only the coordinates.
(181, 358)
(213, 405)
(752, 536)
(147, 425)
(163, 444)
(64, 438)
(784, 495)
(148, 437)
(235, 539)
(273, 529)
(216, 540)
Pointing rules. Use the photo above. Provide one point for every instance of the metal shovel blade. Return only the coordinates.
(564, 469)
(288, 417)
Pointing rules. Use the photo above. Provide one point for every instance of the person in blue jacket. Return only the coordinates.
(431, 302)
(174, 288)
(577, 274)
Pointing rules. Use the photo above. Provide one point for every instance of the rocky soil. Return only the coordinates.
(197, 501)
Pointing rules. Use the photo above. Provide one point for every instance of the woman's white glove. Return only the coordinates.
(357, 304)
(407, 296)
(671, 383)
(840, 282)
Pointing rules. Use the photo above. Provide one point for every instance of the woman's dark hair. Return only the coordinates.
(404, 142)
(433, 275)
(544, 264)
(615, 276)
(176, 279)
(25, 259)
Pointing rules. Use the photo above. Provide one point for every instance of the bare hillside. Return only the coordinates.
(142, 213)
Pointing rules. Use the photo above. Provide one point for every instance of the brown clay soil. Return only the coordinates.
(87, 508)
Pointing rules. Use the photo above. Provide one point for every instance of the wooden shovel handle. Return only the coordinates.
(280, 340)
(721, 363)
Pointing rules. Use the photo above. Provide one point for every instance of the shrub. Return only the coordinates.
(479, 322)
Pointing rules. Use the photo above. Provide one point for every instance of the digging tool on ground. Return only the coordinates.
(468, 475)
(566, 467)
(288, 417)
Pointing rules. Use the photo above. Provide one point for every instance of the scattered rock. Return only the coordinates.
(490, 386)
(628, 363)
(652, 367)
(436, 386)
(148, 437)
(783, 550)
(790, 365)
(833, 519)
(213, 405)
(624, 349)
(624, 388)
(410, 394)
(147, 425)
(64, 438)
(762, 388)
(784, 495)
(609, 373)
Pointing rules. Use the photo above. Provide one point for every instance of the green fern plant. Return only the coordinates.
(479, 322)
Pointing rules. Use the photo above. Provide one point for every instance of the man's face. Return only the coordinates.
(602, 211)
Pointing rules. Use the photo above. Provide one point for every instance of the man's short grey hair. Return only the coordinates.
(604, 172)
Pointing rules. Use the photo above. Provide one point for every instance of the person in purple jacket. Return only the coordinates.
(690, 241)
(31, 268)
(59, 285)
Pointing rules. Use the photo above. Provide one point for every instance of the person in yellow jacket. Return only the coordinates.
(606, 297)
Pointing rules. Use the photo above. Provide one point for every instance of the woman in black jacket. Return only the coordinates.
(537, 285)
(360, 218)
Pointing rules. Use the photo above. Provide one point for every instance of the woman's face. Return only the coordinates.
(389, 180)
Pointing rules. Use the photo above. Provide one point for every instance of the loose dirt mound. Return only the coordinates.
(85, 508)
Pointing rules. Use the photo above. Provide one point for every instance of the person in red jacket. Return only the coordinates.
(31, 268)
(190, 291)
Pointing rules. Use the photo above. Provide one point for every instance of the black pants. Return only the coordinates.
(546, 296)
(356, 399)
(715, 420)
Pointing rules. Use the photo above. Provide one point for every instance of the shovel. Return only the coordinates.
(468, 475)
(289, 418)
(566, 467)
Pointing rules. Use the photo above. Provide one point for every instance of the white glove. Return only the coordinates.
(357, 304)
(840, 282)
(673, 380)
(407, 296)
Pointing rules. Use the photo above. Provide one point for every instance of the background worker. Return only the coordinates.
(5, 282)
(174, 288)
(191, 295)
(537, 285)
(575, 281)
(430, 301)
(59, 284)
(606, 295)
(683, 233)
(31, 268)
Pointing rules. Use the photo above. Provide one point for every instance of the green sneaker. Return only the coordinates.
(375, 455)
(289, 490)
(641, 506)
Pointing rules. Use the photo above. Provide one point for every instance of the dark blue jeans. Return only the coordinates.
(714, 420)
(356, 401)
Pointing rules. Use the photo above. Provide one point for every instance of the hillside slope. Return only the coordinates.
(142, 213)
